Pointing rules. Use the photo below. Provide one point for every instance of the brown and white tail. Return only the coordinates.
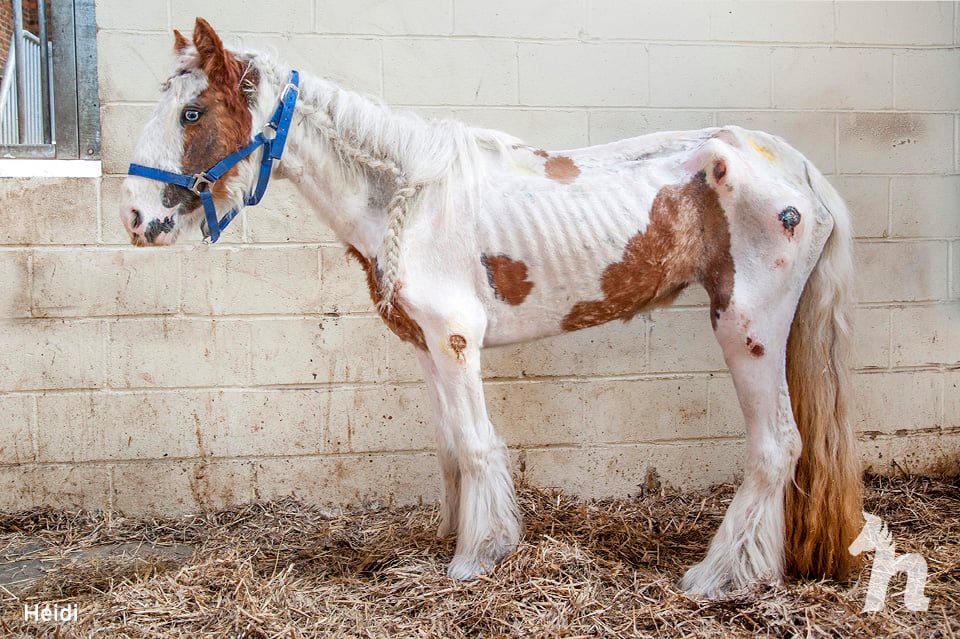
(825, 501)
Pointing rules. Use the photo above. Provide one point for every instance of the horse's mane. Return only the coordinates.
(435, 158)
(427, 150)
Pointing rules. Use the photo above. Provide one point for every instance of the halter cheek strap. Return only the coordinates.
(272, 138)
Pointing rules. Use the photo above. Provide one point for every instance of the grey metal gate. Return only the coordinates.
(33, 130)
(49, 103)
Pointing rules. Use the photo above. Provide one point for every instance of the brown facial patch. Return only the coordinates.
(541, 153)
(223, 128)
(458, 343)
(561, 168)
(687, 240)
(507, 277)
(225, 123)
(398, 321)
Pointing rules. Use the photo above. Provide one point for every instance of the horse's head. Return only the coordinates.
(203, 115)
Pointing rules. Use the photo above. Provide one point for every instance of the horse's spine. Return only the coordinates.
(825, 501)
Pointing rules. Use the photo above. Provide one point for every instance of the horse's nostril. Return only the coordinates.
(135, 218)
(156, 227)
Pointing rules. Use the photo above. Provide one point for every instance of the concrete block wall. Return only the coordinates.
(172, 380)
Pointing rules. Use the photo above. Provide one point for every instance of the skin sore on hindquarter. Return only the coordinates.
(790, 218)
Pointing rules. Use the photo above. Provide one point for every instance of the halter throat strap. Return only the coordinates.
(273, 139)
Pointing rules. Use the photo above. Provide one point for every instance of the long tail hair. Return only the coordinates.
(825, 501)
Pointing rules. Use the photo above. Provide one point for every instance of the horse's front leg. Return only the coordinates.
(488, 524)
(446, 450)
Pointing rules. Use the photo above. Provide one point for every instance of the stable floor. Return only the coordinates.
(599, 569)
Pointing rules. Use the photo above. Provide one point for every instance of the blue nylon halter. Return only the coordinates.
(272, 138)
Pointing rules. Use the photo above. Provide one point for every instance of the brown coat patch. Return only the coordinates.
(507, 277)
(398, 321)
(687, 240)
(561, 168)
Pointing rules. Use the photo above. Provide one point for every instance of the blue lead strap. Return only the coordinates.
(202, 183)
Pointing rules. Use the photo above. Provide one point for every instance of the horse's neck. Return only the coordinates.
(348, 195)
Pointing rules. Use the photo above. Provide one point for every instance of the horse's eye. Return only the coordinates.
(190, 116)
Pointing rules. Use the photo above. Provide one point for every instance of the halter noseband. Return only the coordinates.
(272, 138)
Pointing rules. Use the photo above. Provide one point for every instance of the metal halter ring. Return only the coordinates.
(201, 180)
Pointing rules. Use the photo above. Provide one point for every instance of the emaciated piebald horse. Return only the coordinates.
(470, 238)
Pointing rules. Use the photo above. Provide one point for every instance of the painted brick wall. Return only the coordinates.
(175, 379)
(6, 31)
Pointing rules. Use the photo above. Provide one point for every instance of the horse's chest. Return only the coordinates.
(398, 320)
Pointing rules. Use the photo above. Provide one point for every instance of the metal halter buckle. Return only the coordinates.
(201, 183)
(288, 87)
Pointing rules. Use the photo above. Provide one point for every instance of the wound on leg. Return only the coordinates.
(756, 348)
(458, 343)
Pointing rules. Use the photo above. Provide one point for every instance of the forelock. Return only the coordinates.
(185, 85)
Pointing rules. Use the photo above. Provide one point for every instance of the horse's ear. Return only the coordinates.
(214, 59)
(180, 43)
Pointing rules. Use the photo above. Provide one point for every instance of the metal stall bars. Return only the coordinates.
(49, 104)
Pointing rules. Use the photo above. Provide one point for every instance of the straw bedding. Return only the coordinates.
(584, 569)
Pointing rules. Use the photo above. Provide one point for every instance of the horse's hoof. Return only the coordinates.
(698, 582)
(465, 569)
(713, 582)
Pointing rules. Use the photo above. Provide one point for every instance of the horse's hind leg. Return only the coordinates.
(749, 545)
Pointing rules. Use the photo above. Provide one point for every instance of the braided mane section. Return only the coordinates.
(397, 209)
(397, 215)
